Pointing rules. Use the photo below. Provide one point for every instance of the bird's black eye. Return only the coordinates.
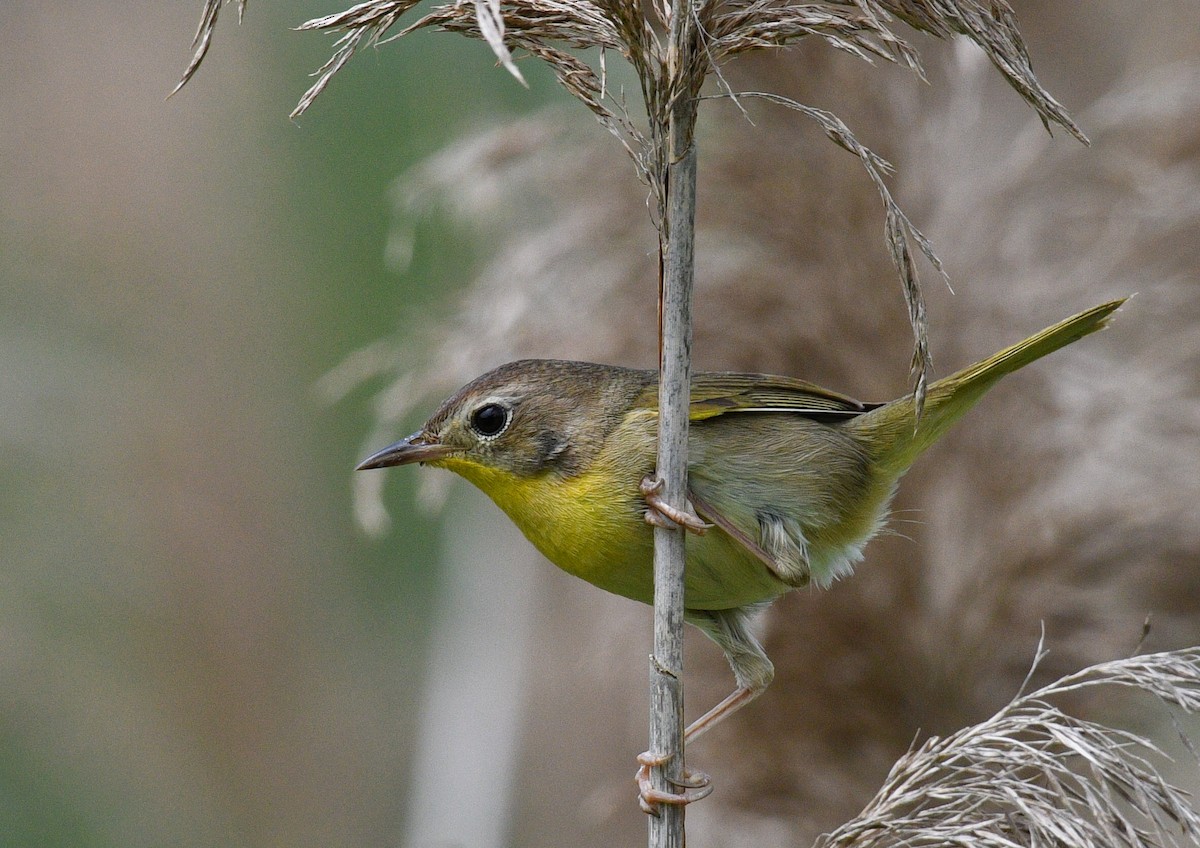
(490, 420)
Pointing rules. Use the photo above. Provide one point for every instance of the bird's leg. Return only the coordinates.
(752, 670)
(734, 702)
(662, 514)
(695, 785)
(730, 629)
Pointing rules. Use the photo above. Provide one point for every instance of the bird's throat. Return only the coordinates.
(590, 525)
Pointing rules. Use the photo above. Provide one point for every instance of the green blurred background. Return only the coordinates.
(197, 646)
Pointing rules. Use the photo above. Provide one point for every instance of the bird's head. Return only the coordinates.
(521, 420)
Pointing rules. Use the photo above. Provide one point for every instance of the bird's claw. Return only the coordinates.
(662, 514)
(696, 785)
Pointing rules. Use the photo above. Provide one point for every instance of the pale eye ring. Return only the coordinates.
(490, 420)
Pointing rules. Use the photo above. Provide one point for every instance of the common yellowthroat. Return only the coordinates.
(793, 479)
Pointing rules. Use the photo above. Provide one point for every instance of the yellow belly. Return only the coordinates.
(593, 526)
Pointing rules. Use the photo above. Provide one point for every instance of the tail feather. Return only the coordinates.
(897, 438)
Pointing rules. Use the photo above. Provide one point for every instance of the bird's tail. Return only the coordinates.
(897, 438)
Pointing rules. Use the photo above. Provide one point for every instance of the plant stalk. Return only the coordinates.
(666, 830)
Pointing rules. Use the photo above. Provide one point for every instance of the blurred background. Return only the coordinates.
(200, 647)
(197, 645)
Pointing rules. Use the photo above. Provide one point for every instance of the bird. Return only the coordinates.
(786, 481)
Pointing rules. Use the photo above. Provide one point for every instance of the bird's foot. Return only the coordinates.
(662, 514)
(695, 785)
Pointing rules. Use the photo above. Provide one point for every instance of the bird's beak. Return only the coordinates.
(416, 448)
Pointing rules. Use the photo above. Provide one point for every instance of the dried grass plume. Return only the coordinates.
(550, 29)
(1034, 775)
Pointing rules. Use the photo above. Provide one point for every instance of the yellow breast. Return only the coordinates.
(590, 525)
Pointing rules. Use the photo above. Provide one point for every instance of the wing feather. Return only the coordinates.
(718, 393)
